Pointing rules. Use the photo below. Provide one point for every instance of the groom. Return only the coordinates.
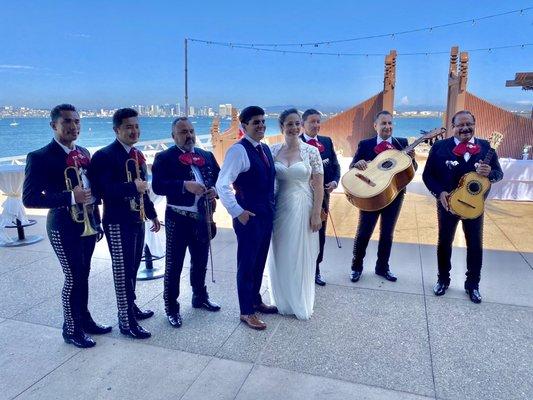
(249, 166)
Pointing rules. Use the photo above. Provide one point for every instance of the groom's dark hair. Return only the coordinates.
(246, 115)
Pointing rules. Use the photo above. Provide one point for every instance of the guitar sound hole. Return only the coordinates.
(474, 187)
(386, 165)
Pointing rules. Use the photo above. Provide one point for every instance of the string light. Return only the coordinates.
(390, 34)
(337, 54)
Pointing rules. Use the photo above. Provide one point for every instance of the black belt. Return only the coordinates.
(188, 214)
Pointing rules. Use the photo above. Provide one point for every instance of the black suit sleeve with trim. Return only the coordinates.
(35, 192)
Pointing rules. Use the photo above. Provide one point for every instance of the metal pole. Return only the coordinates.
(186, 83)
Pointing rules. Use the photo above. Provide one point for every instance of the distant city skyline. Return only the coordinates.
(110, 54)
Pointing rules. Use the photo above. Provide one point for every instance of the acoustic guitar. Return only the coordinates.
(468, 199)
(385, 176)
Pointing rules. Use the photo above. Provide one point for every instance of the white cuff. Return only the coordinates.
(236, 211)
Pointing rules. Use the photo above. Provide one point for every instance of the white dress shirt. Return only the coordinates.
(308, 138)
(389, 139)
(467, 154)
(235, 163)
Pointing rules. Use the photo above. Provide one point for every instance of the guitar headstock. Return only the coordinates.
(495, 139)
(433, 133)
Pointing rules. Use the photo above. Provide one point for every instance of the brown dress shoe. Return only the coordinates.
(253, 322)
(266, 309)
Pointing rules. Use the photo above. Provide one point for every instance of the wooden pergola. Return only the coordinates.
(523, 79)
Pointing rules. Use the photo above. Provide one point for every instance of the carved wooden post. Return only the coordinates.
(389, 81)
(453, 85)
(215, 138)
(463, 79)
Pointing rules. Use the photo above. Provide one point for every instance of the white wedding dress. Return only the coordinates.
(294, 247)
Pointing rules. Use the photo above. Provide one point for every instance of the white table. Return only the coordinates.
(517, 182)
(13, 214)
(155, 243)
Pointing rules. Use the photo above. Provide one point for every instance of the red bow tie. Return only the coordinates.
(383, 146)
(137, 155)
(467, 147)
(77, 159)
(192, 158)
(317, 144)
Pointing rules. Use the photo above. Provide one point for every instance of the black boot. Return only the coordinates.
(135, 331)
(200, 299)
(79, 339)
(94, 328)
(141, 314)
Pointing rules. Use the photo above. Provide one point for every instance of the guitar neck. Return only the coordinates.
(489, 155)
(414, 144)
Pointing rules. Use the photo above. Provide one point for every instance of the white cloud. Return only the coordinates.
(79, 35)
(404, 101)
(525, 102)
(11, 66)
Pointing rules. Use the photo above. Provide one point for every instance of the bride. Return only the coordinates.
(294, 247)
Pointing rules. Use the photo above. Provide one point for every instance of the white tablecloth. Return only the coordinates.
(156, 241)
(517, 182)
(11, 180)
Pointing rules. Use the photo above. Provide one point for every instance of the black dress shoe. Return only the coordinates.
(440, 288)
(93, 328)
(355, 276)
(205, 303)
(175, 320)
(388, 276)
(142, 314)
(475, 296)
(319, 281)
(136, 332)
(80, 340)
(265, 308)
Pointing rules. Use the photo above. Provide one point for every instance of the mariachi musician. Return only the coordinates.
(118, 172)
(332, 174)
(186, 175)
(367, 150)
(447, 162)
(56, 179)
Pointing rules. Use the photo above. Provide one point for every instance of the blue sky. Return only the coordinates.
(117, 53)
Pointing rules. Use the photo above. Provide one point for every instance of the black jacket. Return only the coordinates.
(444, 169)
(44, 182)
(332, 169)
(107, 174)
(169, 174)
(365, 149)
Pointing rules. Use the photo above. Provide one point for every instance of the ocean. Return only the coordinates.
(33, 133)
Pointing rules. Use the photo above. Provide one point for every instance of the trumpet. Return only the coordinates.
(133, 203)
(74, 209)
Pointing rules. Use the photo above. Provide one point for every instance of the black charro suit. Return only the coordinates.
(442, 174)
(368, 219)
(183, 231)
(45, 187)
(123, 226)
(332, 172)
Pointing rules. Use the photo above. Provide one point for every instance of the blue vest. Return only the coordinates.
(254, 189)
